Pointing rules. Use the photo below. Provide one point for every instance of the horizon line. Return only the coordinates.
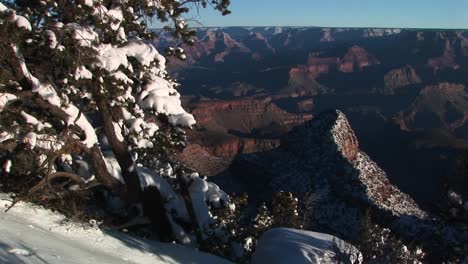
(329, 27)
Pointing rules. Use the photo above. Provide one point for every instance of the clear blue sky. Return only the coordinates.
(342, 13)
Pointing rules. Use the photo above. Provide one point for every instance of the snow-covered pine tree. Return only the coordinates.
(85, 100)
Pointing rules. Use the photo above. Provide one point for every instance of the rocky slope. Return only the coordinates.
(228, 128)
(303, 78)
(443, 105)
(326, 149)
(322, 158)
(245, 116)
(210, 47)
(449, 53)
(400, 77)
(355, 59)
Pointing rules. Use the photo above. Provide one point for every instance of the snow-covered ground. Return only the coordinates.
(288, 246)
(34, 235)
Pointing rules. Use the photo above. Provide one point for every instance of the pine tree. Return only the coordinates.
(284, 209)
(380, 245)
(85, 100)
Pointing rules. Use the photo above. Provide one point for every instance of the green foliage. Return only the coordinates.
(285, 210)
(380, 245)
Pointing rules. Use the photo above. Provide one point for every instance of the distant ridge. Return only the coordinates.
(323, 27)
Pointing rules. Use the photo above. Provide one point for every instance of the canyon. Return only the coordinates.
(403, 91)
(358, 119)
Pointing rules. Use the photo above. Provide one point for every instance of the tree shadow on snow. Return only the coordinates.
(19, 254)
(165, 252)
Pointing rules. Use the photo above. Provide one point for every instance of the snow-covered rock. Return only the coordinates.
(287, 246)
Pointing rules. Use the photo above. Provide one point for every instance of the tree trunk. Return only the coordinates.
(100, 169)
(120, 149)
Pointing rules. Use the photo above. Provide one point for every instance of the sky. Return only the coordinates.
(341, 13)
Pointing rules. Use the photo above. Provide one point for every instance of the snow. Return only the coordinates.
(84, 34)
(2, 7)
(175, 205)
(5, 98)
(30, 138)
(285, 245)
(49, 142)
(52, 38)
(110, 58)
(118, 131)
(203, 193)
(120, 76)
(7, 166)
(180, 24)
(19, 251)
(197, 190)
(183, 119)
(113, 166)
(160, 96)
(113, 16)
(141, 131)
(43, 141)
(143, 52)
(34, 235)
(29, 118)
(33, 121)
(150, 178)
(83, 73)
(83, 123)
(116, 17)
(48, 93)
(5, 136)
(121, 34)
(217, 197)
(455, 197)
(22, 22)
(152, 3)
(83, 170)
(89, 3)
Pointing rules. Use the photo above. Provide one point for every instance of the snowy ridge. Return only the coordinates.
(381, 191)
(378, 189)
(322, 158)
(331, 138)
(32, 234)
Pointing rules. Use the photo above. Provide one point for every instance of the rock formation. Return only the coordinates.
(228, 128)
(442, 105)
(356, 59)
(398, 78)
(245, 116)
(322, 158)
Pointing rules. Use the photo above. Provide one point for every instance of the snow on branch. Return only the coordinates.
(49, 94)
